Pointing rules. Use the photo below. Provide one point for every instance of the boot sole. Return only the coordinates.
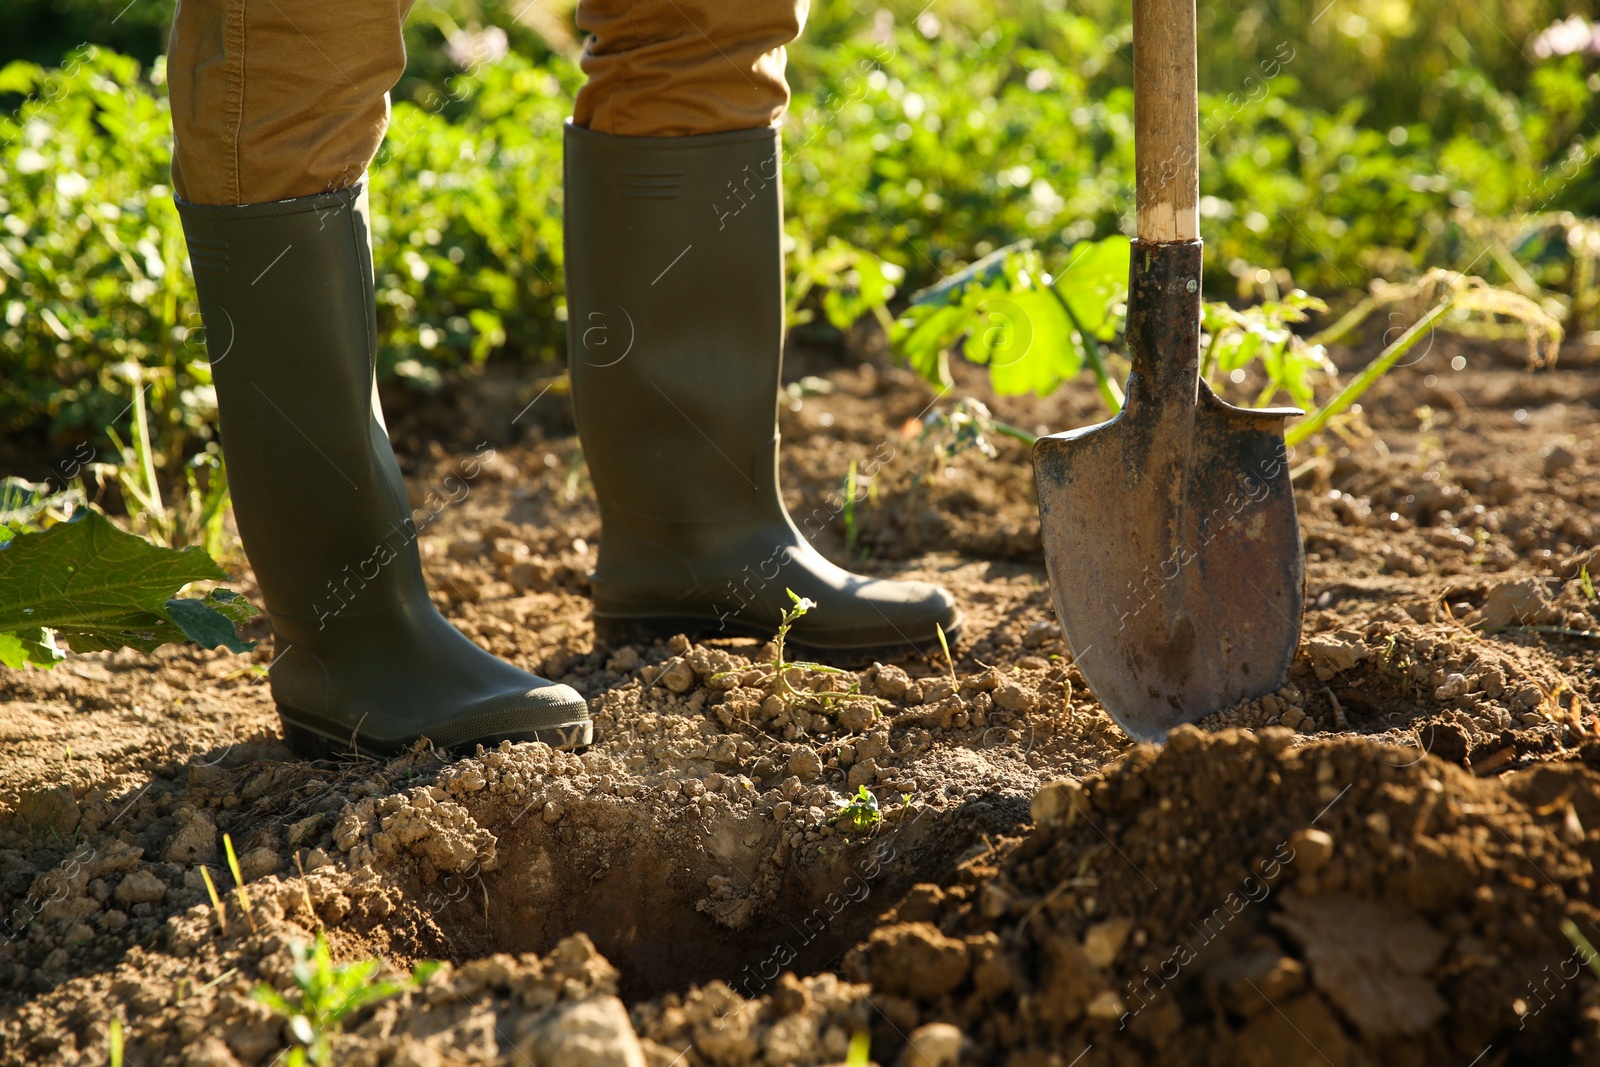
(310, 743)
(617, 630)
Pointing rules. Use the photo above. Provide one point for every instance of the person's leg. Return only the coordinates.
(675, 291)
(278, 108)
(673, 68)
(275, 99)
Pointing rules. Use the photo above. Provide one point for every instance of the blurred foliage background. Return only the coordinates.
(1342, 142)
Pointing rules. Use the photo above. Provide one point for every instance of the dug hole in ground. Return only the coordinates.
(1373, 865)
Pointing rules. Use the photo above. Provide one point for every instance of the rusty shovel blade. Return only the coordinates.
(1170, 531)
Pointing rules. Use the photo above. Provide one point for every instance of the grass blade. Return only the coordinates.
(949, 660)
(1370, 374)
(238, 880)
(216, 901)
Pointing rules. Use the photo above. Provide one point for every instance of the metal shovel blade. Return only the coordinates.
(1170, 531)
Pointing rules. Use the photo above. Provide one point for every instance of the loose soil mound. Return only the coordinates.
(1235, 899)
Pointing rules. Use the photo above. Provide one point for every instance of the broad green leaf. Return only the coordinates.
(869, 282)
(29, 648)
(1237, 350)
(951, 289)
(211, 621)
(19, 77)
(924, 337)
(1027, 341)
(1094, 281)
(102, 589)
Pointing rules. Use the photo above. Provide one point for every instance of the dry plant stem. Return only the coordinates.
(141, 443)
(305, 891)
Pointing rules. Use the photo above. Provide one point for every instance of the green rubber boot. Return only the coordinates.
(675, 322)
(364, 660)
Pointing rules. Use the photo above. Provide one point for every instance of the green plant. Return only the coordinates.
(197, 515)
(114, 1041)
(1453, 294)
(325, 994)
(859, 1053)
(1034, 331)
(851, 486)
(1264, 333)
(98, 588)
(1581, 943)
(845, 281)
(949, 660)
(238, 881)
(216, 901)
(859, 811)
(1586, 582)
(780, 667)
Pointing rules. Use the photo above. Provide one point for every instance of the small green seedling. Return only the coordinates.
(799, 607)
(114, 1041)
(851, 485)
(1586, 583)
(238, 880)
(780, 666)
(1582, 944)
(860, 811)
(216, 901)
(860, 1051)
(950, 661)
(324, 994)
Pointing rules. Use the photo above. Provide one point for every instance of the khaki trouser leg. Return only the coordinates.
(668, 68)
(274, 99)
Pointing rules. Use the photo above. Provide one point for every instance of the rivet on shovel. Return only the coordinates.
(1169, 531)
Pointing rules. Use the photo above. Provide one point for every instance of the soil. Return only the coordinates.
(1373, 865)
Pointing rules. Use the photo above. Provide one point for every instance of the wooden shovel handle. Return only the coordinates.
(1166, 120)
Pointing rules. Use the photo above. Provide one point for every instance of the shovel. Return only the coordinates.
(1170, 531)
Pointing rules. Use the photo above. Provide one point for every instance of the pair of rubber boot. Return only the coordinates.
(675, 309)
